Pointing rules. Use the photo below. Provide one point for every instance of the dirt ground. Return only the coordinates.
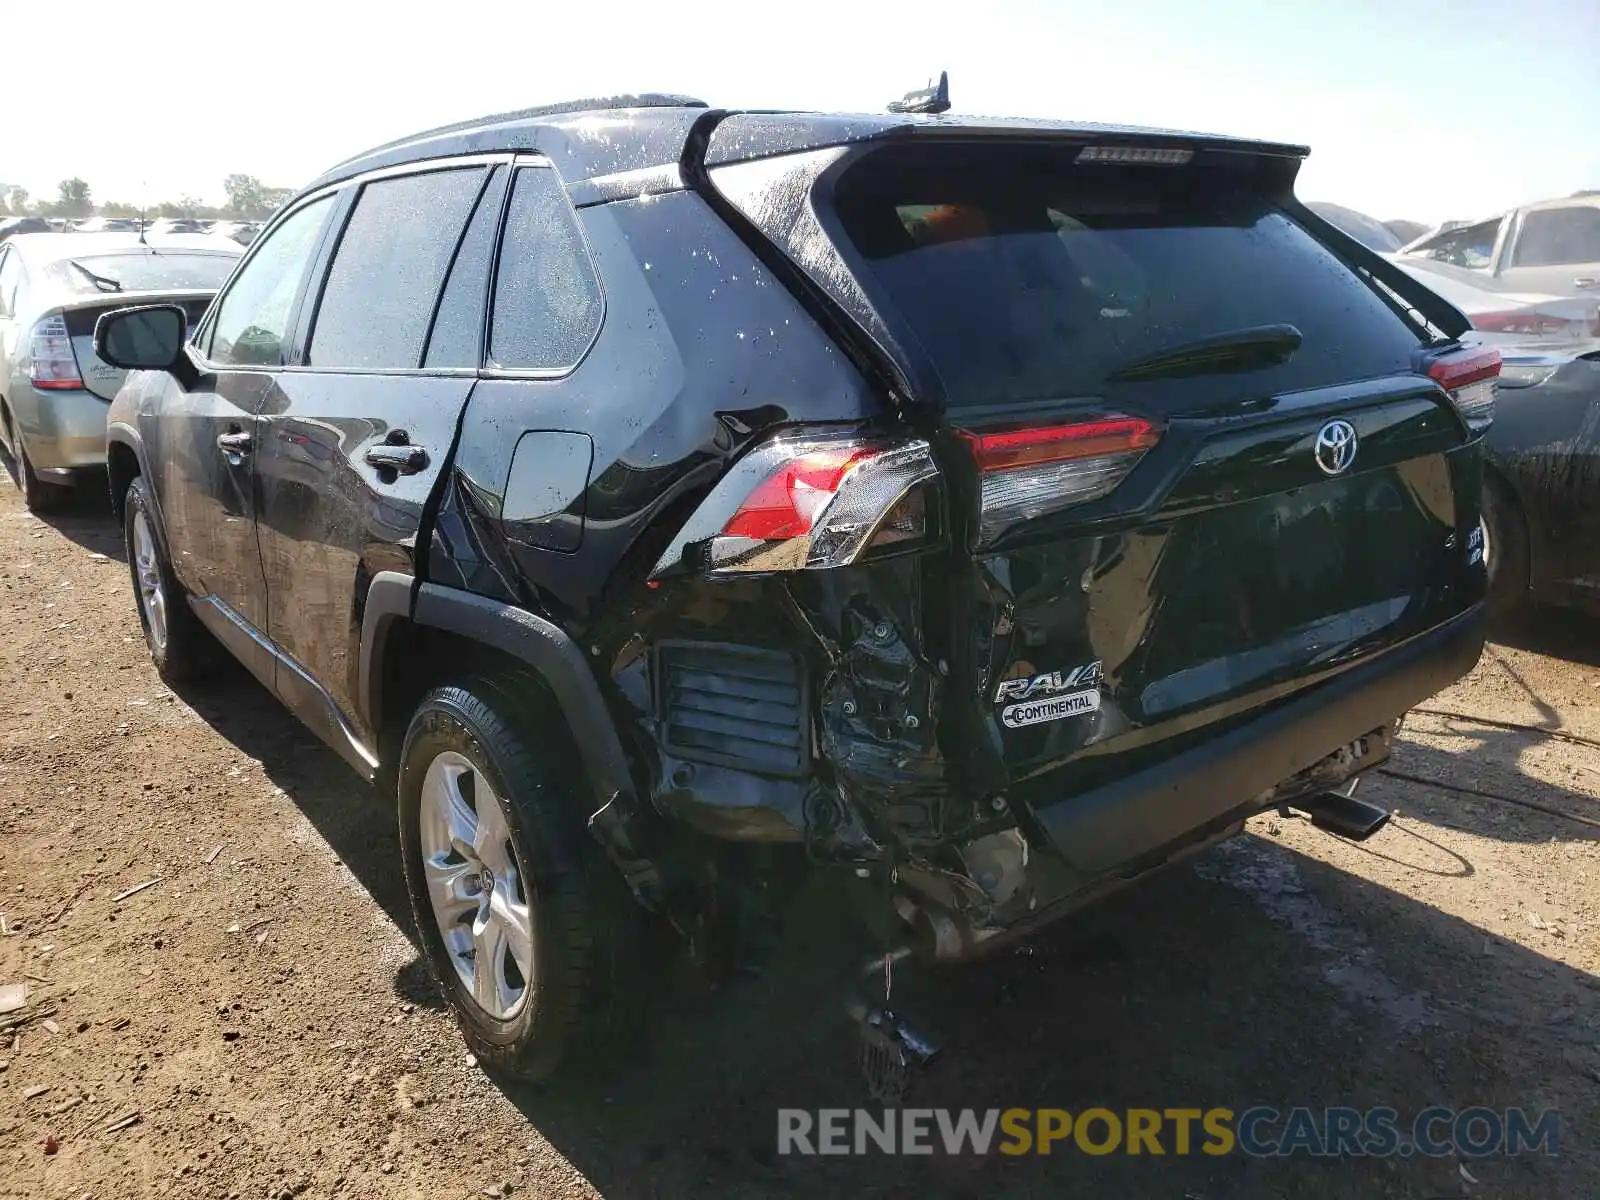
(262, 1017)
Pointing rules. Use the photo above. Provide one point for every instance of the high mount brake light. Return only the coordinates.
(1469, 376)
(806, 502)
(1137, 155)
(52, 366)
(1028, 473)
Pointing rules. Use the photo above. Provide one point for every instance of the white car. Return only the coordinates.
(1552, 247)
(1496, 307)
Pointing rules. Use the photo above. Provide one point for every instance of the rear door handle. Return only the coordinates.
(1585, 282)
(401, 459)
(234, 443)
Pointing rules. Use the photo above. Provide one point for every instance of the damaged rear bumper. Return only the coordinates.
(1127, 821)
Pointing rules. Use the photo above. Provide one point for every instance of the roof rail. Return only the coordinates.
(596, 103)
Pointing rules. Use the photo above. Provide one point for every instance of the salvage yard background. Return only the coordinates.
(257, 1022)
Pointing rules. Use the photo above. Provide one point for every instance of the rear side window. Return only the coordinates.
(1553, 237)
(1025, 277)
(140, 271)
(546, 296)
(387, 272)
(1470, 246)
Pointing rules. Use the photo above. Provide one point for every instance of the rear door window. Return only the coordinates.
(547, 302)
(1025, 277)
(386, 275)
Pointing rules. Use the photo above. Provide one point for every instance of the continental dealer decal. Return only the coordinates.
(1053, 696)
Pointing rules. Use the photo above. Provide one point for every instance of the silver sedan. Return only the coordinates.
(53, 287)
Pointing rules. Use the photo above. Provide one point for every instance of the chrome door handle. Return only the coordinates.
(1585, 282)
(401, 459)
(234, 443)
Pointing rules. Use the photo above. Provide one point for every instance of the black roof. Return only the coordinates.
(588, 138)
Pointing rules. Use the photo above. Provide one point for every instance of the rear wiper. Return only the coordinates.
(99, 281)
(1223, 353)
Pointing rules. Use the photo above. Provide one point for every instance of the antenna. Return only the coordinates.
(144, 194)
(935, 98)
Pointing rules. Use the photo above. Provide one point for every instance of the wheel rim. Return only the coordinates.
(147, 569)
(478, 895)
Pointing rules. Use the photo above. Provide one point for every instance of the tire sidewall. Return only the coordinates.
(531, 1037)
(1508, 551)
(136, 503)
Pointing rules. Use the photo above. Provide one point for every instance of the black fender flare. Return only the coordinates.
(119, 433)
(559, 663)
(543, 646)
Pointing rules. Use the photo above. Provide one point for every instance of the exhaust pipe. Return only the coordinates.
(1344, 815)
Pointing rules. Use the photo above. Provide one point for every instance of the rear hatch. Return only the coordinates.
(1196, 461)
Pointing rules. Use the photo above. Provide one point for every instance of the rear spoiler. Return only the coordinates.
(1421, 299)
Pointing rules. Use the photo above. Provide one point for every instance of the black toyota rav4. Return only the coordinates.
(660, 498)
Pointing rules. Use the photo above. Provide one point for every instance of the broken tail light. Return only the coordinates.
(1028, 473)
(1469, 376)
(52, 366)
(808, 502)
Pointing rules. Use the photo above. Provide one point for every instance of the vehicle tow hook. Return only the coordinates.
(1344, 815)
(891, 1048)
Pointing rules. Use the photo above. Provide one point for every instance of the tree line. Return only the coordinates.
(248, 199)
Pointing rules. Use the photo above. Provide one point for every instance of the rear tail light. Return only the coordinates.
(807, 503)
(1525, 374)
(51, 363)
(1469, 376)
(1534, 323)
(1030, 472)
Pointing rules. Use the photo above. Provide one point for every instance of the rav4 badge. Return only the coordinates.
(1052, 696)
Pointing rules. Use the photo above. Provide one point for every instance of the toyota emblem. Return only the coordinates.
(1336, 447)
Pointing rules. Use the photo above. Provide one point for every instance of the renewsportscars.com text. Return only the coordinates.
(1260, 1131)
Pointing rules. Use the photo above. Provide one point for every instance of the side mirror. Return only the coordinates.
(142, 339)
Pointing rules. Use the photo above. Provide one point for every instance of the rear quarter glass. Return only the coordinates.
(1023, 276)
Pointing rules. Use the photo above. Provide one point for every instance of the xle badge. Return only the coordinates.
(1040, 698)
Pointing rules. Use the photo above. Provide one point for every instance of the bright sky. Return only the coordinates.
(1424, 109)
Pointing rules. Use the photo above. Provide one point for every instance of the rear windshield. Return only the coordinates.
(142, 271)
(1025, 277)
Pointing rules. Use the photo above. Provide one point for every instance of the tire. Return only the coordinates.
(37, 495)
(181, 648)
(553, 995)
(1505, 551)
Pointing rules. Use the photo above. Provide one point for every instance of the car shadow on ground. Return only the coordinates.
(1558, 632)
(81, 514)
(1257, 977)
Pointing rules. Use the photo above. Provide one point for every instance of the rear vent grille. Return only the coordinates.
(735, 706)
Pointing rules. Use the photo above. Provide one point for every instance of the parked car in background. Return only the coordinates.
(166, 226)
(107, 225)
(1542, 481)
(1498, 308)
(1373, 234)
(15, 225)
(1551, 247)
(243, 232)
(1541, 502)
(992, 511)
(53, 390)
(1406, 231)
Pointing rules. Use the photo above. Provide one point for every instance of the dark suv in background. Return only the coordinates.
(991, 510)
